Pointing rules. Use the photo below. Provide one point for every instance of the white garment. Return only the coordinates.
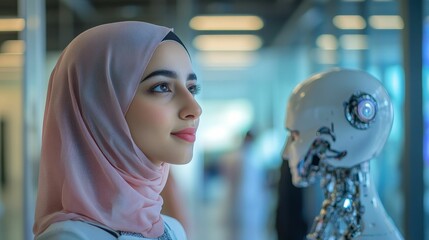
(79, 230)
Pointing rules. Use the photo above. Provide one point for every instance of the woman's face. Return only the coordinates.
(164, 115)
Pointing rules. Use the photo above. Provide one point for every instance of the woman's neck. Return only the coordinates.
(351, 208)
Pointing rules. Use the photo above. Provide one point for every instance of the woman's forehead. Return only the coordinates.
(170, 54)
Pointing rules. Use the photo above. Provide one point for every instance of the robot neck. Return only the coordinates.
(351, 208)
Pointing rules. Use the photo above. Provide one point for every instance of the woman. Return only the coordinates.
(120, 109)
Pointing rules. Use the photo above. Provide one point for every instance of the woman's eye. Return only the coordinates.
(161, 88)
(194, 89)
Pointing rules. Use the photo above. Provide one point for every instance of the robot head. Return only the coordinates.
(339, 118)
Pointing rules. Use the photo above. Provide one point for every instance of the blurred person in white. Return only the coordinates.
(250, 203)
(120, 109)
(338, 121)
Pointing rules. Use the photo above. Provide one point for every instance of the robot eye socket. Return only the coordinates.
(360, 110)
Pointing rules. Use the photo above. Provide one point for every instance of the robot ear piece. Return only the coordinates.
(360, 110)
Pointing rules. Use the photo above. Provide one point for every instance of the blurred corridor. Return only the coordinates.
(231, 187)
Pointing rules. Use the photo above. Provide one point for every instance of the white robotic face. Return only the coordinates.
(291, 154)
(339, 119)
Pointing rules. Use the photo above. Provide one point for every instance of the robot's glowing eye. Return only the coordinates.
(366, 110)
(360, 110)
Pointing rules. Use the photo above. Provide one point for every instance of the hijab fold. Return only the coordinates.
(90, 167)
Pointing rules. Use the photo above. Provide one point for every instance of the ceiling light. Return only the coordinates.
(353, 41)
(11, 60)
(12, 46)
(226, 59)
(386, 22)
(227, 42)
(11, 24)
(210, 23)
(327, 42)
(349, 22)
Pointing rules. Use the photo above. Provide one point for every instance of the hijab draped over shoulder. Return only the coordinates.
(90, 167)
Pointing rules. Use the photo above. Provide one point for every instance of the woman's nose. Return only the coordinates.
(191, 109)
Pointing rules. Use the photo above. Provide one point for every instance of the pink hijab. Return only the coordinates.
(90, 167)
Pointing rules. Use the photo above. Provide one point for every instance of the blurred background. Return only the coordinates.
(248, 54)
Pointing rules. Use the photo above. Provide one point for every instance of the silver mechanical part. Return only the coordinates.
(341, 213)
(320, 150)
(360, 110)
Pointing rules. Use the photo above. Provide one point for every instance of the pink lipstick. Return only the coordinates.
(187, 134)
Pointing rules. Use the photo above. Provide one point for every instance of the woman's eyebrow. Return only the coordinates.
(165, 73)
(169, 74)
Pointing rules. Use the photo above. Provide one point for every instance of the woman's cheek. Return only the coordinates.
(158, 116)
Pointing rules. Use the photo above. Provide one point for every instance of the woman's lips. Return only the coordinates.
(187, 134)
